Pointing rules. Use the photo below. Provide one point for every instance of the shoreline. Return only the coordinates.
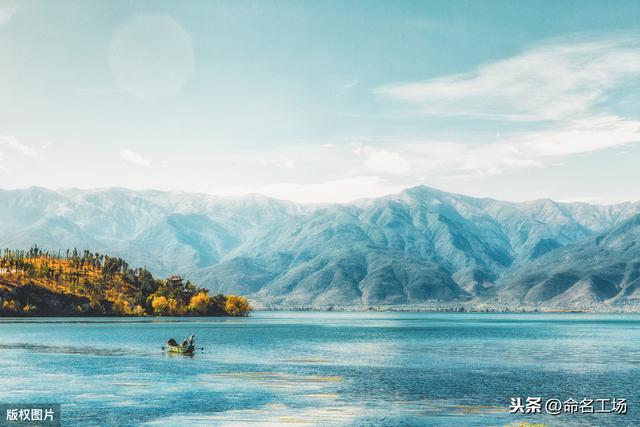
(178, 319)
(456, 308)
(496, 308)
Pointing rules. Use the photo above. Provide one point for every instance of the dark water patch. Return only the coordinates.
(107, 320)
(80, 350)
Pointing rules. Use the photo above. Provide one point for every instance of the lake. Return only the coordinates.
(458, 369)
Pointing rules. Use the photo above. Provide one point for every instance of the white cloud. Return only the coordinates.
(13, 143)
(278, 158)
(556, 80)
(382, 161)
(524, 150)
(375, 167)
(134, 158)
(566, 85)
(351, 84)
(465, 160)
(387, 162)
(281, 162)
(582, 136)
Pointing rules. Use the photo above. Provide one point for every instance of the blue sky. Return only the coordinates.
(323, 101)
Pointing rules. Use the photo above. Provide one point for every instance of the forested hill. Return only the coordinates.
(36, 282)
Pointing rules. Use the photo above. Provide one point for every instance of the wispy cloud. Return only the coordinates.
(564, 85)
(458, 160)
(346, 170)
(280, 161)
(134, 158)
(13, 143)
(381, 160)
(518, 151)
(582, 136)
(555, 80)
(351, 84)
(279, 158)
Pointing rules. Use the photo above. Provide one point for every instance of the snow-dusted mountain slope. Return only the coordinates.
(421, 244)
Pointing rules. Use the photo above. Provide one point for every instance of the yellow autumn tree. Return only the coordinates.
(200, 303)
(176, 308)
(237, 306)
(138, 311)
(122, 307)
(160, 305)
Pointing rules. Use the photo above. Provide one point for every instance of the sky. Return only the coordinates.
(323, 101)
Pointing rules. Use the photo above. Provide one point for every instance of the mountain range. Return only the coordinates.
(413, 247)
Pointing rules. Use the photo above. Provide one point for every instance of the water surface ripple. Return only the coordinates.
(291, 368)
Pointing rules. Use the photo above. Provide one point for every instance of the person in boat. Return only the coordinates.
(189, 342)
(185, 344)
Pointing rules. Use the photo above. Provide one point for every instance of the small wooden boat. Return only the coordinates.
(187, 347)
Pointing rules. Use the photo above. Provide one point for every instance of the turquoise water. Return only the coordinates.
(284, 368)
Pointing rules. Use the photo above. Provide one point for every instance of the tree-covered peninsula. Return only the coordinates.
(42, 283)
